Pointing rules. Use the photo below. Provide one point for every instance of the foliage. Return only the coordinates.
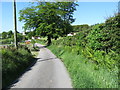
(79, 46)
(77, 28)
(41, 41)
(31, 34)
(10, 34)
(92, 56)
(6, 35)
(106, 36)
(95, 36)
(14, 62)
(85, 75)
(111, 34)
(20, 37)
(6, 41)
(51, 19)
(33, 42)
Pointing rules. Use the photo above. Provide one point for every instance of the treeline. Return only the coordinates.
(77, 28)
(49, 19)
(8, 37)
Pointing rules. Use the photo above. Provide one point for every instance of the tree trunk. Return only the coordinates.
(49, 40)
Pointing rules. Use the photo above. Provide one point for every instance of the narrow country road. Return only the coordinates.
(47, 72)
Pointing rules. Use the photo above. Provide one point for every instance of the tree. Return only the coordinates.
(51, 19)
(19, 37)
(10, 33)
(30, 34)
(4, 35)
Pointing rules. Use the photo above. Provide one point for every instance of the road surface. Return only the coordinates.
(47, 72)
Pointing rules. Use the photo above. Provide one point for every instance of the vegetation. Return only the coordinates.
(51, 19)
(14, 62)
(77, 28)
(8, 34)
(6, 41)
(105, 36)
(83, 72)
(8, 37)
(92, 56)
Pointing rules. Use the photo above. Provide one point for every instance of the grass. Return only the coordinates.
(41, 41)
(34, 51)
(84, 74)
(14, 62)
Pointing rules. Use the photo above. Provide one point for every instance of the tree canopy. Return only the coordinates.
(51, 19)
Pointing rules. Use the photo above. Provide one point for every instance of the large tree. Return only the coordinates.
(51, 19)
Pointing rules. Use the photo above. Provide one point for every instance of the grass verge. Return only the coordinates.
(14, 62)
(85, 74)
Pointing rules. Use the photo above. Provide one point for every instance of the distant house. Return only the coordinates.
(71, 34)
(23, 33)
(36, 37)
(33, 37)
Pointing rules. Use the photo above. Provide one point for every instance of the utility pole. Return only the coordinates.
(15, 24)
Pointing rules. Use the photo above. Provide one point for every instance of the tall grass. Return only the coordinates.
(85, 74)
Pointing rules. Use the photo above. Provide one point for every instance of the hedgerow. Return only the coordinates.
(92, 50)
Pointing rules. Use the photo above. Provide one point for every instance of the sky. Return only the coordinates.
(87, 13)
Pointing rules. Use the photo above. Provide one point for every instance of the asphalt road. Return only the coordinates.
(47, 72)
